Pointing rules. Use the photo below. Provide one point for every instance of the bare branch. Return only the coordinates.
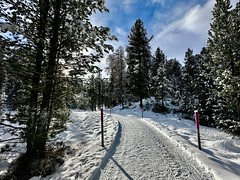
(8, 125)
(11, 139)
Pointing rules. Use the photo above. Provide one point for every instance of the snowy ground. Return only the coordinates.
(141, 152)
(10, 144)
(220, 153)
(84, 138)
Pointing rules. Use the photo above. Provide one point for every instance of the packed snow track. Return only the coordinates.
(141, 152)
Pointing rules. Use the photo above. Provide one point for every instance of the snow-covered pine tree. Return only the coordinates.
(206, 89)
(138, 61)
(174, 76)
(51, 37)
(223, 44)
(157, 74)
(197, 88)
(188, 99)
(117, 72)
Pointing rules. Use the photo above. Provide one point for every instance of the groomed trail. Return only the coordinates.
(141, 152)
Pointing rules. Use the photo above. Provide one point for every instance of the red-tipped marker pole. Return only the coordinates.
(197, 127)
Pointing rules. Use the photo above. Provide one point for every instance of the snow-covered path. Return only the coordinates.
(141, 152)
(154, 147)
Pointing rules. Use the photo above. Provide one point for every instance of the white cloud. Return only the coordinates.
(121, 32)
(197, 20)
(127, 5)
(187, 25)
(159, 1)
(188, 32)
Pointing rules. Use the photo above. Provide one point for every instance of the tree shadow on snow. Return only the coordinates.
(229, 166)
(109, 156)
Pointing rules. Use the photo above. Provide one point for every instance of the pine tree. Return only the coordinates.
(138, 61)
(198, 90)
(50, 36)
(206, 89)
(117, 72)
(106, 92)
(111, 70)
(92, 93)
(189, 103)
(157, 74)
(223, 44)
(120, 86)
(174, 76)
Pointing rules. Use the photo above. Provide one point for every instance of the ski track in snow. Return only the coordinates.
(141, 152)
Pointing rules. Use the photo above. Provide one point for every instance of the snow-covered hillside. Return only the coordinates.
(220, 154)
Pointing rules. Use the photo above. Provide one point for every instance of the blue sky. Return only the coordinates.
(175, 24)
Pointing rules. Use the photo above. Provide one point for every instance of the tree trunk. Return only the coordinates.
(34, 95)
(46, 113)
(162, 96)
(141, 102)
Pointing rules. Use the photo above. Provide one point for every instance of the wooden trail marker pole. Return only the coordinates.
(197, 128)
(102, 135)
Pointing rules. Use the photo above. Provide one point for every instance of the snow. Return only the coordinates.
(220, 154)
(84, 138)
(144, 153)
(11, 149)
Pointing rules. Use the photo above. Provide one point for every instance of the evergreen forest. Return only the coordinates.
(47, 67)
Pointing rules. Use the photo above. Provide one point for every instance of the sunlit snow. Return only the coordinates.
(220, 154)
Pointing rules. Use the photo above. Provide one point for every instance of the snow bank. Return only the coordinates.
(10, 144)
(220, 152)
(83, 135)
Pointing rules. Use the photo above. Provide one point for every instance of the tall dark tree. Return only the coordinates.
(224, 47)
(174, 76)
(189, 103)
(92, 93)
(99, 89)
(138, 61)
(2, 74)
(158, 59)
(206, 89)
(157, 74)
(50, 36)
